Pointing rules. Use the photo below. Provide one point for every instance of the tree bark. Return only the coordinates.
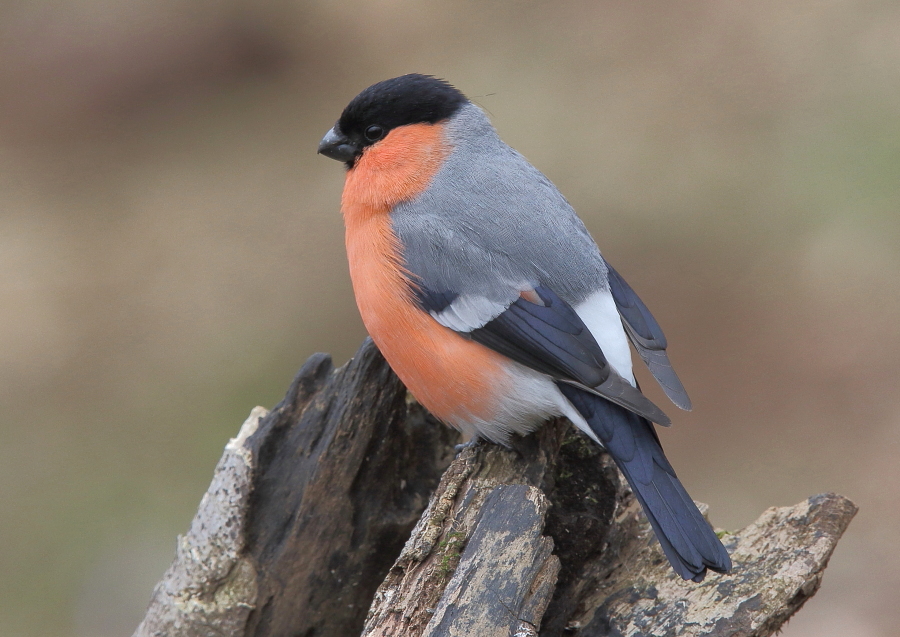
(311, 504)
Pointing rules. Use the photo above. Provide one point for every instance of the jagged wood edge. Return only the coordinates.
(611, 580)
(306, 510)
(607, 575)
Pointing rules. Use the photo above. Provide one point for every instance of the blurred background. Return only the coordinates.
(171, 250)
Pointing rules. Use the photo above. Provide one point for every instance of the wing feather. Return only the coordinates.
(548, 337)
(647, 337)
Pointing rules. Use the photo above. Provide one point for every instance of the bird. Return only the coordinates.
(490, 300)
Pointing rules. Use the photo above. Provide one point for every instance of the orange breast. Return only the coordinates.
(456, 379)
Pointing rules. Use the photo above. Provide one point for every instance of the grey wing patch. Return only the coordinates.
(460, 312)
(468, 312)
(647, 337)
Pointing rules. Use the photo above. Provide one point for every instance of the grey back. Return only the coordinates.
(491, 224)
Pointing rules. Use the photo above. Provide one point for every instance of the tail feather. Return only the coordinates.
(686, 537)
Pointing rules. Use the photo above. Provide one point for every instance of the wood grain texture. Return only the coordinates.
(611, 577)
(306, 527)
(779, 563)
(454, 577)
(490, 591)
(307, 509)
(211, 587)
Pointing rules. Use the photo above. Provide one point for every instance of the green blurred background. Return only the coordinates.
(171, 250)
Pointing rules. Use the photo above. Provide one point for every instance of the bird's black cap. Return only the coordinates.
(408, 99)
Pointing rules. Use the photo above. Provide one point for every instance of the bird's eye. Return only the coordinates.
(374, 133)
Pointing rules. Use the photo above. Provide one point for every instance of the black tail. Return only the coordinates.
(685, 536)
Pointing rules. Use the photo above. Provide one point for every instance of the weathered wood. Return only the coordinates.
(613, 578)
(211, 588)
(310, 505)
(491, 590)
(477, 562)
(307, 509)
(779, 562)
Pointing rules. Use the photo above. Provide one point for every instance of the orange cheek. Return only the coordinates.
(395, 169)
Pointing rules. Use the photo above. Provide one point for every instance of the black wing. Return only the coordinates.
(551, 338)
(647, 337)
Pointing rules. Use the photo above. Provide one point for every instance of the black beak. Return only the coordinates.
(336, 146)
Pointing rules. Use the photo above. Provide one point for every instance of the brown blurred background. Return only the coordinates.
(171, 250)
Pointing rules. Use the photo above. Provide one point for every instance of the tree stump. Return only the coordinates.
(318, 522)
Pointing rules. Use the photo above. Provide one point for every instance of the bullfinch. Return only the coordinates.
(490, 300)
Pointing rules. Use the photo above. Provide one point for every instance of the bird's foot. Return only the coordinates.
(474, 441)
